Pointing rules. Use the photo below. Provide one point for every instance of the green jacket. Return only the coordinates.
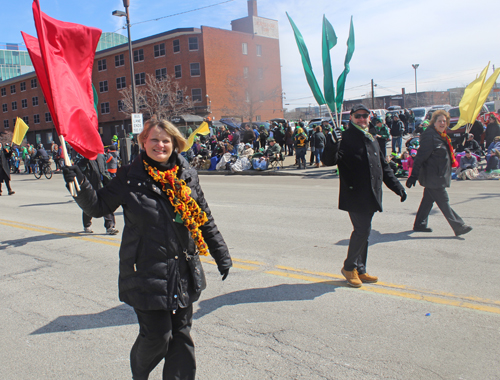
(383, 131)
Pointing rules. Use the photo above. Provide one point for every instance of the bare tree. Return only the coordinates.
(247, 96)
(161, 98)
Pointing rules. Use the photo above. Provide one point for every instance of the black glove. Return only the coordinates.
(337, 134)
(411, 181)
(402, 194)
(70, 172)
(224, 273)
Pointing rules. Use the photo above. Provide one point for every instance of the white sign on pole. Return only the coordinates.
(137, 126)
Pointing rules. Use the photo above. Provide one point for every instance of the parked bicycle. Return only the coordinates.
(46, 170)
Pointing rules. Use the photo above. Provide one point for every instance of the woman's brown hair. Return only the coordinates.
(438, 113)
(178, 139)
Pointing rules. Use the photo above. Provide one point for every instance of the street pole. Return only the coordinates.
(415, 66)
(373, 96)
(126, 4)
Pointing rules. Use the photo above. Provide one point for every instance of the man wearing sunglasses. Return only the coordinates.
(362, 169)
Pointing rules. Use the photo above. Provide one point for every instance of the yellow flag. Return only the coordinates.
(488, 85)
(20, 130)
(201, 130)
(469, 100)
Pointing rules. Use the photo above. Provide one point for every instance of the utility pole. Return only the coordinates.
(415, 66)
(373, 96)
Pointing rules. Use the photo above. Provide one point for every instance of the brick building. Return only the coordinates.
(227, 73)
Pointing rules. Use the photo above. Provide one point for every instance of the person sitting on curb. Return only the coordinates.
(270, 154)
(468, 166)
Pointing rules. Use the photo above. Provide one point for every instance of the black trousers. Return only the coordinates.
(109, 220)
(358, 245)
(164, 335)
(440, 196)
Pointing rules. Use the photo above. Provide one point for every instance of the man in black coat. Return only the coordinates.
(362, 169)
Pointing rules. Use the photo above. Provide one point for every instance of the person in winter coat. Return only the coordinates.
(300, 140)
(5, 169)
(492, 130)
(432, 168)
(167, 222)
(289, 141)
(382, 136)
(397, 130)
(112, 161)
(362, 170)
(318, 141)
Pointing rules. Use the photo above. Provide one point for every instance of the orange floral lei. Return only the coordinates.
(184, 205)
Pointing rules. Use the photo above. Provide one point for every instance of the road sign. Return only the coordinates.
(137, 126)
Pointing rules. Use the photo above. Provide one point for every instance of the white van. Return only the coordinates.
(380, 113)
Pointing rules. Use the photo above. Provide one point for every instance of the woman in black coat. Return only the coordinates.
(5, 169)
(492, 130)
(432, 168)
(159, 238)
(319, 141)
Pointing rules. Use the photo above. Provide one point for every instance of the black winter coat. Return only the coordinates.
(432, 165)
(492, 131)
(319, 140)
(154, 273)
(362, 169)
(4, 167)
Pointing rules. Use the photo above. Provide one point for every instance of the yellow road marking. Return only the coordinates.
(442, 298)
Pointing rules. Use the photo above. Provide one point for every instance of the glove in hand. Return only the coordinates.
(72, 172)
(410, 182)
(224, 273)
(337, 134)
(402, 194)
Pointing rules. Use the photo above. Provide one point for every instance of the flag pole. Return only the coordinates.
(67, 162)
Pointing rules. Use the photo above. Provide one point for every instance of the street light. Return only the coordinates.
(126, 4)
(415, 66)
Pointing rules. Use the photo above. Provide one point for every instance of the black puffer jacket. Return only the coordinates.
(432, 165)
(154, 273)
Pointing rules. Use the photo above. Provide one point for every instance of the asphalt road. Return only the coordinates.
(285, 311)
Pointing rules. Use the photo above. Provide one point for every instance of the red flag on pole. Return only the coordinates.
(63, 56)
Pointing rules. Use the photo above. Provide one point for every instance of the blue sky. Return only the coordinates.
(451, 40)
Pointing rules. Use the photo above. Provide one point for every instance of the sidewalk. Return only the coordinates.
(289, 169)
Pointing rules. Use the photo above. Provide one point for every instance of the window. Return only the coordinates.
(139, 55)
(161, 74)
(257, 118)
(177, 46)
(14, 106)
(103, 86)
(101, 65)
(13, 89)
(195, 69)
(6, 124)
(44, 101)
(24, 103)
(4, 108)
(245, 72)
(104, 108)
(247, 96)
(159, 50)
(26, 119)
(244, 48)
(120, 83)
(260, 72)
(119, 60)
(193, 43)
(178, 71)
(34, 83)
(196, 95)
(48, 117)
(14, 122)
(35, 101)
(36, 119)
(4, 92)
(259, 50)
(120, 105)
(140, 79)
(23, 86)
(180, 96)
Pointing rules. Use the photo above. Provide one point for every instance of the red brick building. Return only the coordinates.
(227, 73)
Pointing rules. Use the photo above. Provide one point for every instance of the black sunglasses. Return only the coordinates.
(361, 115)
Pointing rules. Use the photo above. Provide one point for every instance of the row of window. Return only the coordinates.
(22, 85)
(26, 119)
(158, 50)
(24, 104)
(244, 49)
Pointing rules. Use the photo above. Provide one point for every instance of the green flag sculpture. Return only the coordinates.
(333, 101)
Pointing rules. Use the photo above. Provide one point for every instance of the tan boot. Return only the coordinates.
(365, 277)
(352, 278)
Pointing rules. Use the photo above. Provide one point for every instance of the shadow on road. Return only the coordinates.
(118, 316)
(376, 237)
(46, 237)
(278, 293)
(48, 204)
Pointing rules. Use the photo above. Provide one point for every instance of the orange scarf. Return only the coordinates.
(454, 163)
(185, 206)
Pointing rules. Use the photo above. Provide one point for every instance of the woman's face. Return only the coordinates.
(440, 124)
(159, 145)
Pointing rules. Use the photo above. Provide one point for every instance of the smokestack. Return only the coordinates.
(252, 8)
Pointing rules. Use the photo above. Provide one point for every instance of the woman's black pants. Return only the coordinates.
(440, 196)
(165, 335)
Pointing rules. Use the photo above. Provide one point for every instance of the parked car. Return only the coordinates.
(420, 114)
(380, 113)
(394, 108)
(458, 135)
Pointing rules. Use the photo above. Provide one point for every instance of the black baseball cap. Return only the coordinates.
(359, 107)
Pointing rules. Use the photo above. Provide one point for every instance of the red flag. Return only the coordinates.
(63, 56)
